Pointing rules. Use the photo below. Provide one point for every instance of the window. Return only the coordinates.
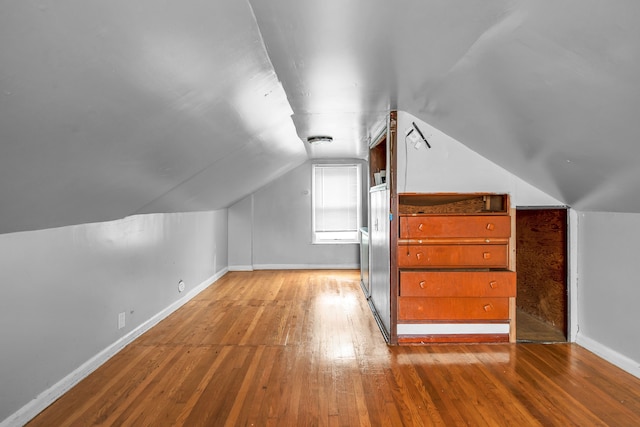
(336, 203)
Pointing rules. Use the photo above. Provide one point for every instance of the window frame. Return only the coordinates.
(316, 236)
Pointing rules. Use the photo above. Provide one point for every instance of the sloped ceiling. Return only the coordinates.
(551, 93)
(112, 108)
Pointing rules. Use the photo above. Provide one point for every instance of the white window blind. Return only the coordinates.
(336, 203)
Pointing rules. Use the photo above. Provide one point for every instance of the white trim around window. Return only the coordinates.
(336, 203)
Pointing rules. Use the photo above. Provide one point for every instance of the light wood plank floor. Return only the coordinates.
(301, 348)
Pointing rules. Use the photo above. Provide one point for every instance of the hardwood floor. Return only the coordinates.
(531, 329)
(301, 348)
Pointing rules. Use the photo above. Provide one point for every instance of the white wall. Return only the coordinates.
(63, 289)
(281, 227)
(241, 235)
(609, 287)
(449, 166)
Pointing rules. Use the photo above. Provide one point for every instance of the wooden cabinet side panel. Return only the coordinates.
(393, 223)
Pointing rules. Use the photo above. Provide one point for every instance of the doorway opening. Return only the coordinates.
(541, 262)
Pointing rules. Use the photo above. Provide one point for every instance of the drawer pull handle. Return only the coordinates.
(490, 226)
(493, 284)
(421, 284)
(420, 227)
(486, 255)
(419, 255)
(488, 307)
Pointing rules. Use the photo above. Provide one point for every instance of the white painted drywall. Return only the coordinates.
(608, 286)
(111, 110)
(449, 166)
(241, 235)
(282, 226)
(62, 290)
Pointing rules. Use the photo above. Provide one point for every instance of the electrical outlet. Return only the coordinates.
(121, 320)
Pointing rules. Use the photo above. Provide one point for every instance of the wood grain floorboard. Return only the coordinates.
(301, 348)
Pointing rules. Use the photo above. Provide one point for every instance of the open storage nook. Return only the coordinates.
(378, 161)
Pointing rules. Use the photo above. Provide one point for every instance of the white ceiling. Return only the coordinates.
(112, 108)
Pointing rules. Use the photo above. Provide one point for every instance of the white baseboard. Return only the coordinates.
(47, 397)
(451, 328)
(306, 267)
(611, 356)
(240, 268)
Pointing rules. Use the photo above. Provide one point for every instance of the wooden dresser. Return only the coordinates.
(454, 263)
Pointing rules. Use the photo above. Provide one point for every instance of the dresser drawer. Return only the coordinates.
(483, 226)
(457, 283)
(416, 308)
(467, 256)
